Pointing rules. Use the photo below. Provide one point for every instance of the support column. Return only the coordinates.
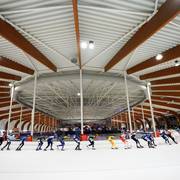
(10, 108)
(81, 100)
(39, 119)
(143, 117)
(20, 122)
(134, 120)
(128, 106)
(121, 120)
(34, 104)
(150, 103)
(126, 118)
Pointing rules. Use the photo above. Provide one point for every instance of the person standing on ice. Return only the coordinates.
(40, 143)
(133, 137)
(165, 137)
(112, 141)
(23, 139)
(10, 137)
(50, 142)
(91, 141)
(62, 143)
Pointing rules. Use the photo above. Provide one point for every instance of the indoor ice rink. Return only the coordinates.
(89, 89)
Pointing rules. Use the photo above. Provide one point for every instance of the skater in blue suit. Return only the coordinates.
(62, 143)
(23, 139)
(49, 142)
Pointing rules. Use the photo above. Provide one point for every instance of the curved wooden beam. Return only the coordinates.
(4, 89)
(4, 75)
(165, 88)
(76, 26)
(6, 104)
(16, 66)
(161, 73)
(13, 110)
(6, 99)
(173, 80)
(148, 112)
(167, 104)
(171, 93)
(159, 109)
(165, 14)
(169, 99)
(4, 95)
(168, 55)
(4, 83)
(12, 35)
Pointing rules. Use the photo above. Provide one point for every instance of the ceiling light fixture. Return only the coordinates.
(10, 85)
(78, 94)
(177, 63)
(91, 44)
(84, 45)
(159, 56)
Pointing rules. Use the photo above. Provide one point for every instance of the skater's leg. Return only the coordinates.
(47, 146)
(78, 146)
(51, 145)
(138, 144)
(173, 140)
(19, 147)
(153, 143)
(5, 146)
(22, 144)
(1, 141)
(38, 147)
(167, 141)
(62, 146)
(8, 146)
(92, 144)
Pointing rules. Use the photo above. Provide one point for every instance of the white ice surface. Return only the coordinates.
(161, 163)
